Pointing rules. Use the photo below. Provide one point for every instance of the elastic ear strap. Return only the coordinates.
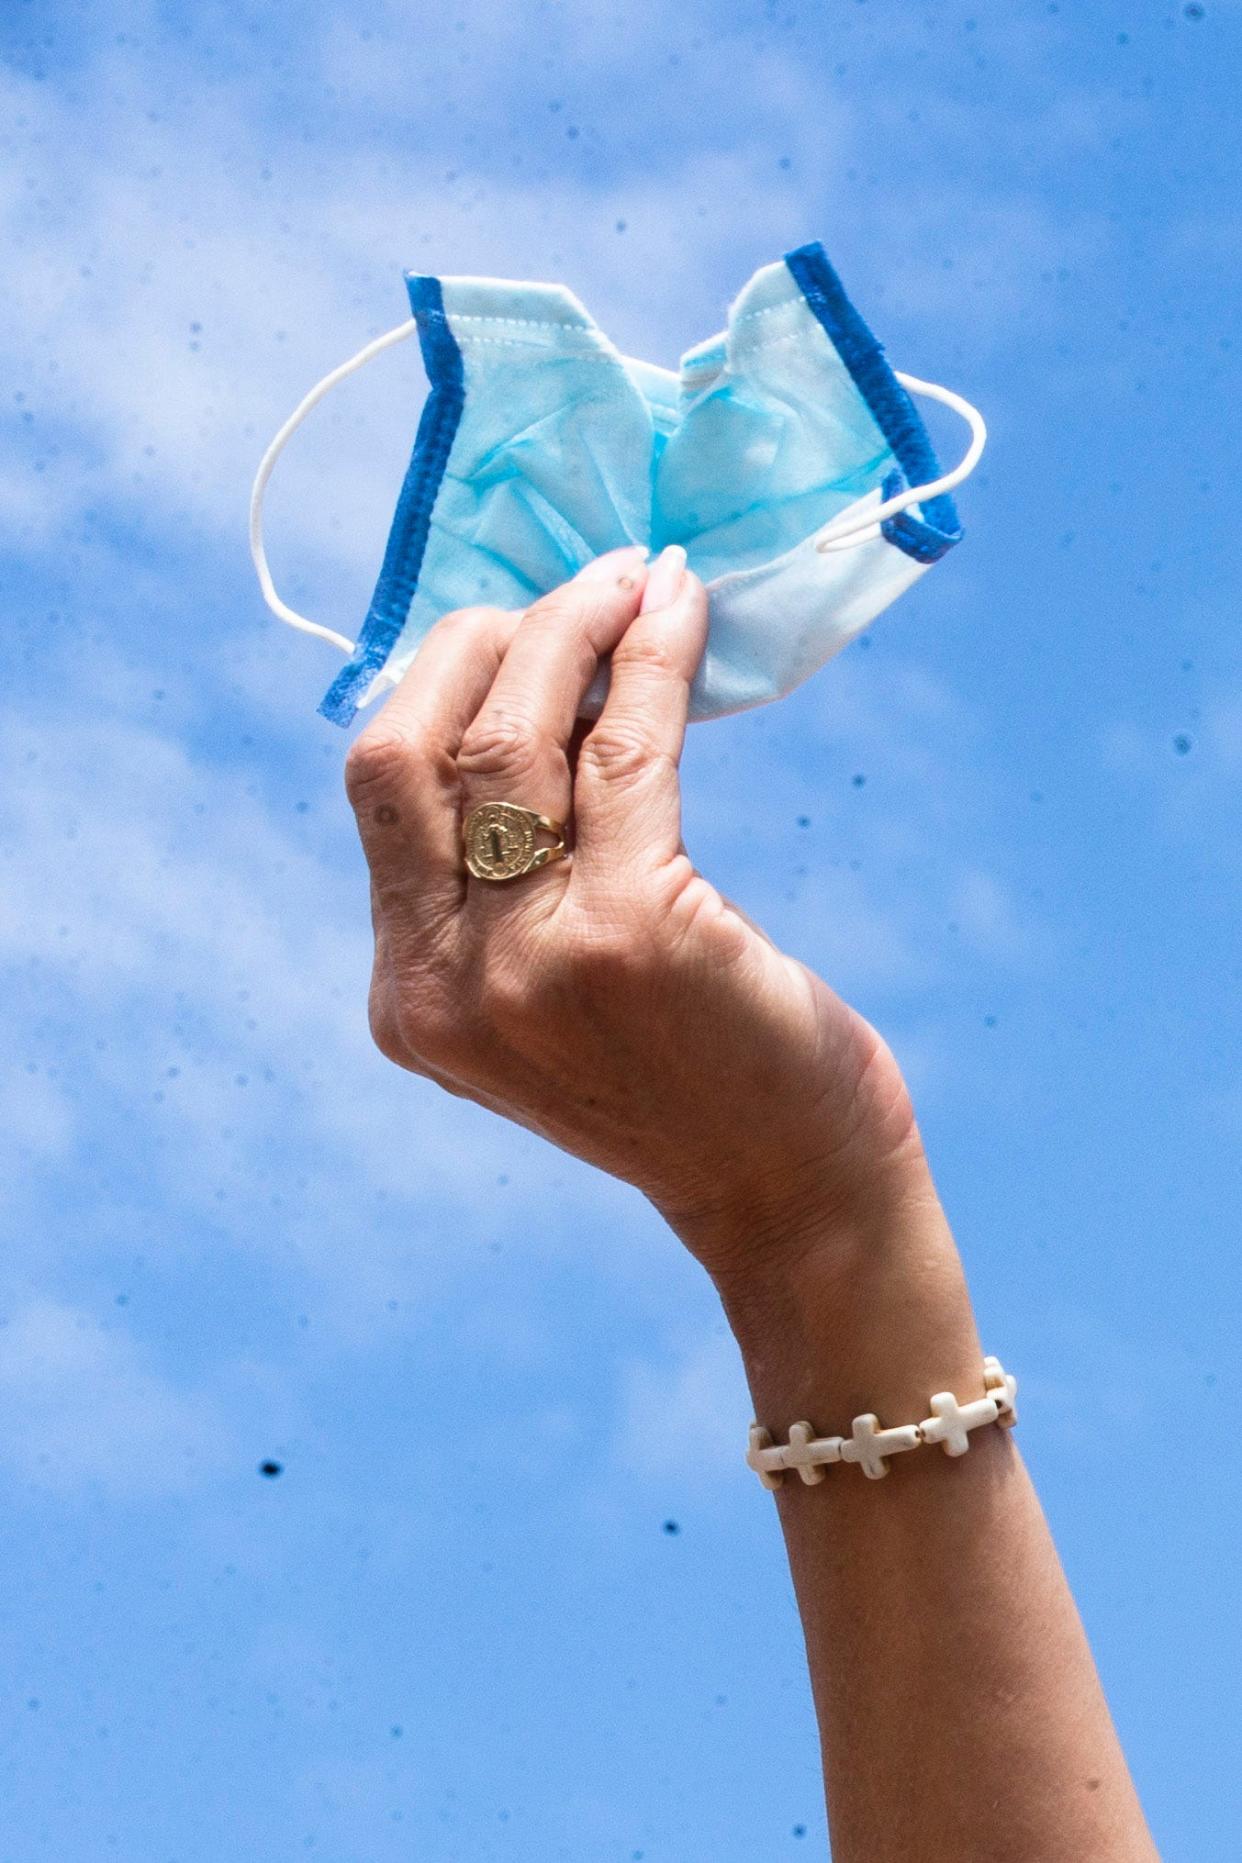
(843, 534)
(847, 531)
(261, 477)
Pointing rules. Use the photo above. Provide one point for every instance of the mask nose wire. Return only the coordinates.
(311, 401)
(853, 528)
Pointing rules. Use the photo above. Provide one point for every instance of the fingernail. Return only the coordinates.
(612, 566)
(664, 578)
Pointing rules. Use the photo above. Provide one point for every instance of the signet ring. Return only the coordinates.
(501, 841)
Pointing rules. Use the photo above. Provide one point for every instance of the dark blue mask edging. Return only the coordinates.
(407, 541)
(928, 538)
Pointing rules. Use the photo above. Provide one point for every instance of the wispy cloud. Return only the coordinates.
(195, 978)
(687, 1414)
(84, 1404)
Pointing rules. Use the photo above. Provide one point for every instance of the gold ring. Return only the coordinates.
(499, 839)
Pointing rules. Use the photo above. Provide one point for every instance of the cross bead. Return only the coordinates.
(764, 1457)
(950, 1422)
(808, 1453)
(868, 1444)
(1003, 1386)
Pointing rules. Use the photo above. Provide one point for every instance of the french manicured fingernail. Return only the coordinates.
(664, 578)
(615, 564)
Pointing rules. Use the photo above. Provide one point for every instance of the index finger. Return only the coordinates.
(401, 772)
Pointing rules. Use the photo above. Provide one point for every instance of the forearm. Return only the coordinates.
(960, 1713)
(619, 1005)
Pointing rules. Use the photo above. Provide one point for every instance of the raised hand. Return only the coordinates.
(614, 1002)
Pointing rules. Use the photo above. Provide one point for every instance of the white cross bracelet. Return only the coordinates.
(949, 1424)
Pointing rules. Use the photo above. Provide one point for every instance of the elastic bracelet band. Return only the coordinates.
(869, 1446)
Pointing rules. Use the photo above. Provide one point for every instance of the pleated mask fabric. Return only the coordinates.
(785, 455)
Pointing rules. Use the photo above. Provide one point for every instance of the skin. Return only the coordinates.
(617, 1004)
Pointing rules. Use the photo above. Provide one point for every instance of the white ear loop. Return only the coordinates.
(849, 530)
(844, 533)
(273, 453)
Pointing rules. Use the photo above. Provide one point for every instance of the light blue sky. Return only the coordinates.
(455, 1627)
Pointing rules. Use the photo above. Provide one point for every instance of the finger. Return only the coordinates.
(627, 794)
(516, 748)
(401, 772)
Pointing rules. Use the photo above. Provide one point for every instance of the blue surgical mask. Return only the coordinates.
(786, 455)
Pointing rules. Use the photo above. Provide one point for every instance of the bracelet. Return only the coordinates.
(868, 1445)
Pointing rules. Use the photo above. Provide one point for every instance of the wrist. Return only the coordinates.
(807, 1219)
(873, 1313)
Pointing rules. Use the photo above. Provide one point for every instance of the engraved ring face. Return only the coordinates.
(500, 841)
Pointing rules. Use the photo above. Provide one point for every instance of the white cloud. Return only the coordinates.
(687, 1418)
(36, 1117)
(1183, 768)
(988, 917)
(1126, 1377)
(83, 1403)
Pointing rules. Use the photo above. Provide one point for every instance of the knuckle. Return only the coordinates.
(378, 760)
(499, 744)
(566, 624)
(619, 751)
(648, 651)
(413, 1011)
(386, 1032)
(575, 618)
(424, 1037)
(392, 1031)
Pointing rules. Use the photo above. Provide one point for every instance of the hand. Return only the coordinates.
(615, 1003)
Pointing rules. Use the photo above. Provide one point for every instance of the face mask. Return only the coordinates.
(786, 456)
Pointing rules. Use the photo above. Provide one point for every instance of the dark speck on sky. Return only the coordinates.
(1194, 10)
(858, 781)
(799, 1830)
(804, 821)
(270, 1469)
(1181, 744)
(671, 1527)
